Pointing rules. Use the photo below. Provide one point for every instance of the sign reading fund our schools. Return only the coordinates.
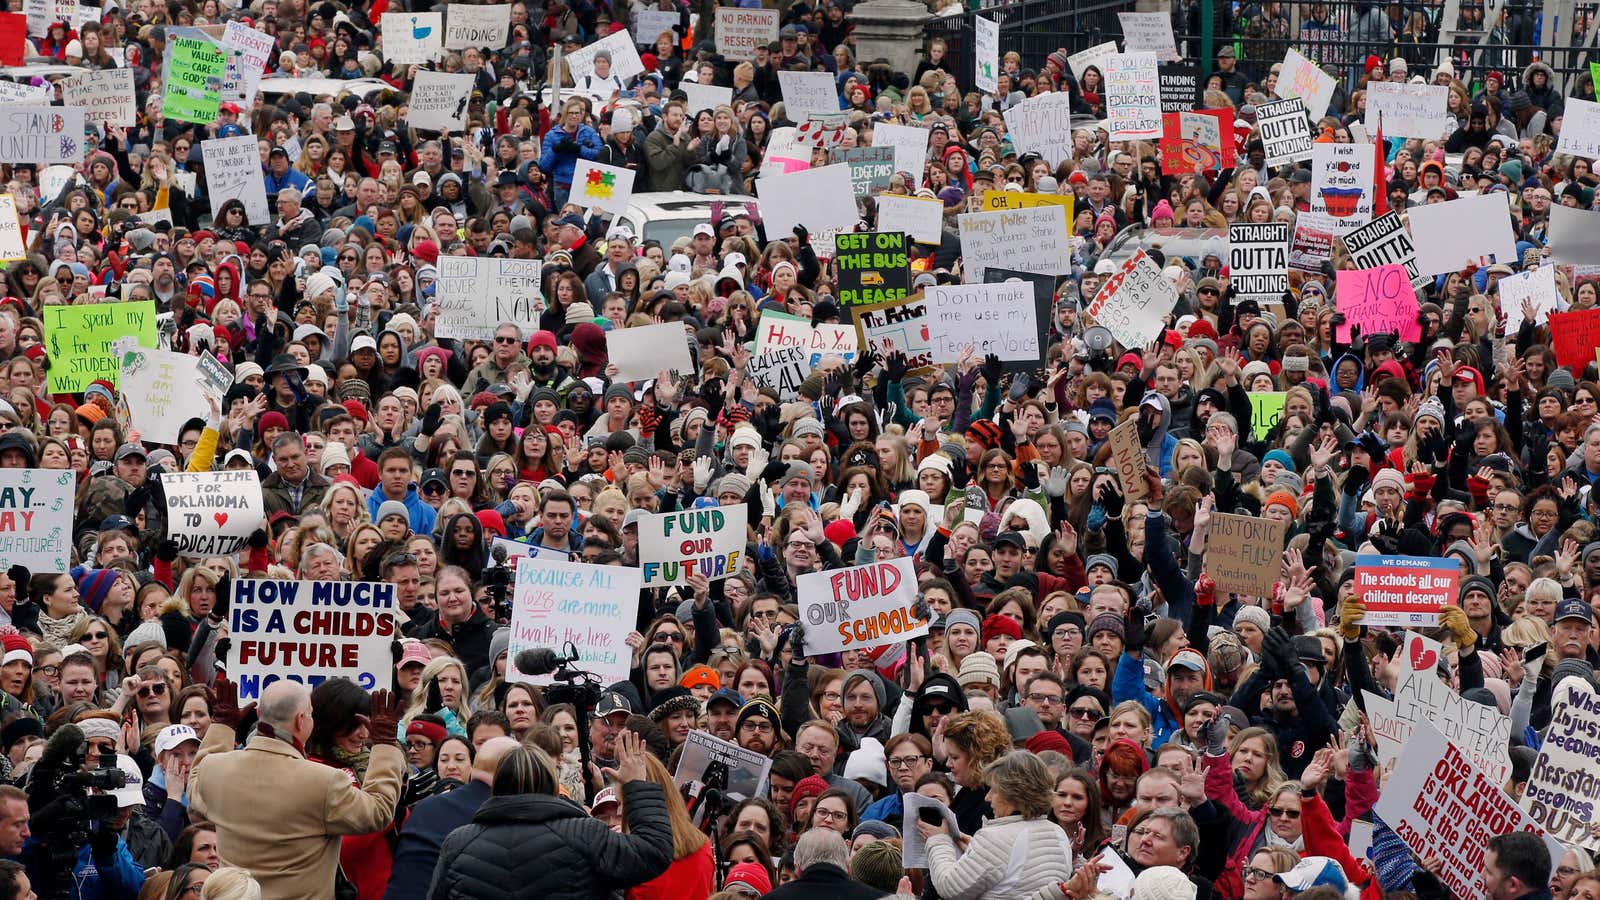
(592, 608)
(212, 513)
(861, 607)
(310, 631)
(674, 547)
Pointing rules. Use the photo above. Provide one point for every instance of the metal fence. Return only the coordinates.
(1033, 28)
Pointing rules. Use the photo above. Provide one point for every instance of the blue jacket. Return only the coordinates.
(422, 515)
(119, 879)
(560, 165)
(291, 179)
(1129, 685)
(890, 809)
(430, 822)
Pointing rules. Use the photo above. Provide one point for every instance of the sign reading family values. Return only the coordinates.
(212, 513)
(310, 631)
(861, 607)
(36, 519)
(675, 547)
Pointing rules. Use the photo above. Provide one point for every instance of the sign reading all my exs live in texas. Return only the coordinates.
(873, 267)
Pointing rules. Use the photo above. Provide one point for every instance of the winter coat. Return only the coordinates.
(537, 845)
(693, 876)
(1009, 857)
(430, 822)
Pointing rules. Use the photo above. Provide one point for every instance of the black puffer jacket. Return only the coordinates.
(536, 845)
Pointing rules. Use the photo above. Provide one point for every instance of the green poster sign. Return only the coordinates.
(78, 340)
(193, 90)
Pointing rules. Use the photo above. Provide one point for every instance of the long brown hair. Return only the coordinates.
(686, 838)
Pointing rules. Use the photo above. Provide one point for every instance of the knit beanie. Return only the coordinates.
(1390, 478)
(1163, 883)
(997, 624)
(809, 786)
(94, 585)
(1283, 499)
(978, 668)
(1255, 615)
(878, 866)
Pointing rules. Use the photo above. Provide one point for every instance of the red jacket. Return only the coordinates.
(693, 876)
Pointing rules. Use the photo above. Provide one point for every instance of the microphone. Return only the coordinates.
(538, 661)
(498, 553)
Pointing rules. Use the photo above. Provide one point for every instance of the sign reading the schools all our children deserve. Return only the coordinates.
(1563, 792)
(593, 608)
(212, 513)
(78, 340)
(36, 519)
(674, 547)
(1405, 590)
(861, 607)
(1445, 807)
(310, 631)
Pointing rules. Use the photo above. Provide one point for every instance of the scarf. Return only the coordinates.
(1273, 840)
(355, 762)
(59, 631)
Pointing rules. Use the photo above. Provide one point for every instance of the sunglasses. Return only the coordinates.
(152, 690)
(1279, 812)
(95, 636)
(506, 340)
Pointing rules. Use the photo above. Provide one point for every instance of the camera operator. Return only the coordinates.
(78, 816)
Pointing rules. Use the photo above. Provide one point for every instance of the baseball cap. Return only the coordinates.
(612, 703)
(704, 229)
(1311, 872)
(131, 449)
(607, 797)
(1573, 608)
(414, 652)
(363, 342)
(132, 791)
(174, 735)
(1188, 659)
(1012, 538)
(728, 694)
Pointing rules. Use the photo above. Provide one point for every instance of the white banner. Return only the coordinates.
(1025, 240)
(641, 352)
(233, 172)
(673, 547)
(41, 134)
(212, 513)
(810, 198)
(592, 607)
(36, 519)
(472, 25)
(477, 293)
(1149, 32)
(412, 38)
(860, 607)
(994, 318)
(1133, 97)
(310, 631)
(1408, 110)
(439, 100)
(741, 31)
(157, 387)
(105, 95)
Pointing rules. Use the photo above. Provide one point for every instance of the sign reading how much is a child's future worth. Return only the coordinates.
(310, 631)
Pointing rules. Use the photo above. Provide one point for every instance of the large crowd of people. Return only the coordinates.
(1094, 714)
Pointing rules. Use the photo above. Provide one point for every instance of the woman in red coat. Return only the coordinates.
(693, 872)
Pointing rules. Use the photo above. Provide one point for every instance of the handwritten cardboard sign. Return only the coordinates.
(212, 513)
(1244, 554)
(1133, 97)
(1127, 455)
(1379, 300)
(989, 318)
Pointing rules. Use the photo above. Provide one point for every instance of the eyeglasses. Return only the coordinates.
(1145, 831)
(1279, 812)
(1062, 634)
(349, 258)
(47, 670)
(905, 762)
(1506, 507)
(1251, 873)
(95, 636)
(433, 487)
(829, 815)
(153, 690)
(418, 744)
(759, 726)
(1050, 699)
(1084, 712)
(506, 340)
(832, 696)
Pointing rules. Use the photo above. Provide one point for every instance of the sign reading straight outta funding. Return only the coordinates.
(1258, 260)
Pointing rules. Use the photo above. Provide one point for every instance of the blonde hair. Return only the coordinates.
(1273, 779)
(686, 838)
(230, 883)
(419, 697)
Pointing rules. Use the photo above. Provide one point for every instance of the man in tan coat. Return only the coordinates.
(278, 814)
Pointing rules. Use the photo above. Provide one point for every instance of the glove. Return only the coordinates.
(865, 360)
(167, 550)
(960, 473)
(758, 461)
(991, 369)
(385, 720)
(258, 539)
(1110, 500)
(797, 641)
(702, 474)
(224, 590)
(435, 698)
(769, 503)
(1362, 756)
(1351, 610)
(225, 708)
(849, 505)
(419, 787)
(1056, 484)
(220, 649)
(135, 501)
(1030, 476)
(1455, 619)
(723, 143)
(566, 145)
(895, 366)
(1280, 646)
(430, 418)
(1205, 590)
(803, 235)
(1355, 481)
(1134, 637)
(103, 843)
(1215, 735)
(20, 576)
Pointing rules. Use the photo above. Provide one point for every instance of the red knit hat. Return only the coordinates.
(998, 624)
(809, 786)
(17, 648)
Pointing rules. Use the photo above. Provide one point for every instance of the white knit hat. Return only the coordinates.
(1163, 883)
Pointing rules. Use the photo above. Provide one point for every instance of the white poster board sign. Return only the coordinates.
(1024, 240)
(741, 31)
(809, 198)
(413, 38)
(641, 352)
(105, 96)
(157, 385)
(676, 546)
(1133, 97)
(986, 45)
(1149, 32)
(1134, 302)
(1095, 56)
(1285, 131)
(36, 519)
(1258, 260)
(41, 134)
(860, 607)
(1455, 234)
(310, 631)
(1042, 125)
(1538, 288)
(475, 294)
(11, 244)
(650, 24)
(599, 186)
(808, 94)
(212, 513)
(1342, 183)
(1300, 77)
(994, 318)
(249, 51)
(474, 25)
(625, 62)
(1574, 236)
(1408, 110)
(592, 607)
(910, 145)
(704, 96)
(233, 172)
(439, 100)
(1382, 242)
(1420, 697)
(1563, 782)
(922, 219)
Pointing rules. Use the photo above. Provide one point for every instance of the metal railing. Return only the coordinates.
(1033, 28)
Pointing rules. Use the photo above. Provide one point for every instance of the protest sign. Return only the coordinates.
(1312, 242)
(1563, 793)
(994, 318)
(1285, 131)
(1266, 408)
(1127, 457)
(1575, 335)
(782, 370)
(986, 54)
(413, 38)
(79, 338)
(41, 134)
(915, 846)
(870, 168)
(1580, 129)
(873, 267)
(1458, 233)
(1149, 31)
(921, 220)
(809, 198)
(249, 51)
(676, 546)
(475, 294)
(18, 92)
(910, 145)
(643, 351)
(1446, 808)
(1134, 302)
(860, 607)
(1408, 110)
(1421, 698)
(625, 61)
(310, 631)
(36, 519)
(156, 385)
(104, 95)
(593, 607)
(1244, 554)
(704, 96)
(712, 762)
(472, 25)
(740, 31)
(900, 326)
(991, 201)
(1133, 97)
(213, 513)
(1385, 241)
(1042, 125)
(779, 329)
(1196, 140)
(439, 100)
(1044, 297)
(825, 130)
(11, 243)
(193, 78)
(1405, 591)
(1028, 240)
(1574, 235)
(1300, 77)
(214, 377)
(1341, 183)
(1378, 300)
(39, 13)
(599, 186)
(14, 39)
(650, 24)
(807, 94)
(233, 172)
(1180, 86)
(1095, 56)
(785, 153)
(1537, 288)
(1258, 261)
